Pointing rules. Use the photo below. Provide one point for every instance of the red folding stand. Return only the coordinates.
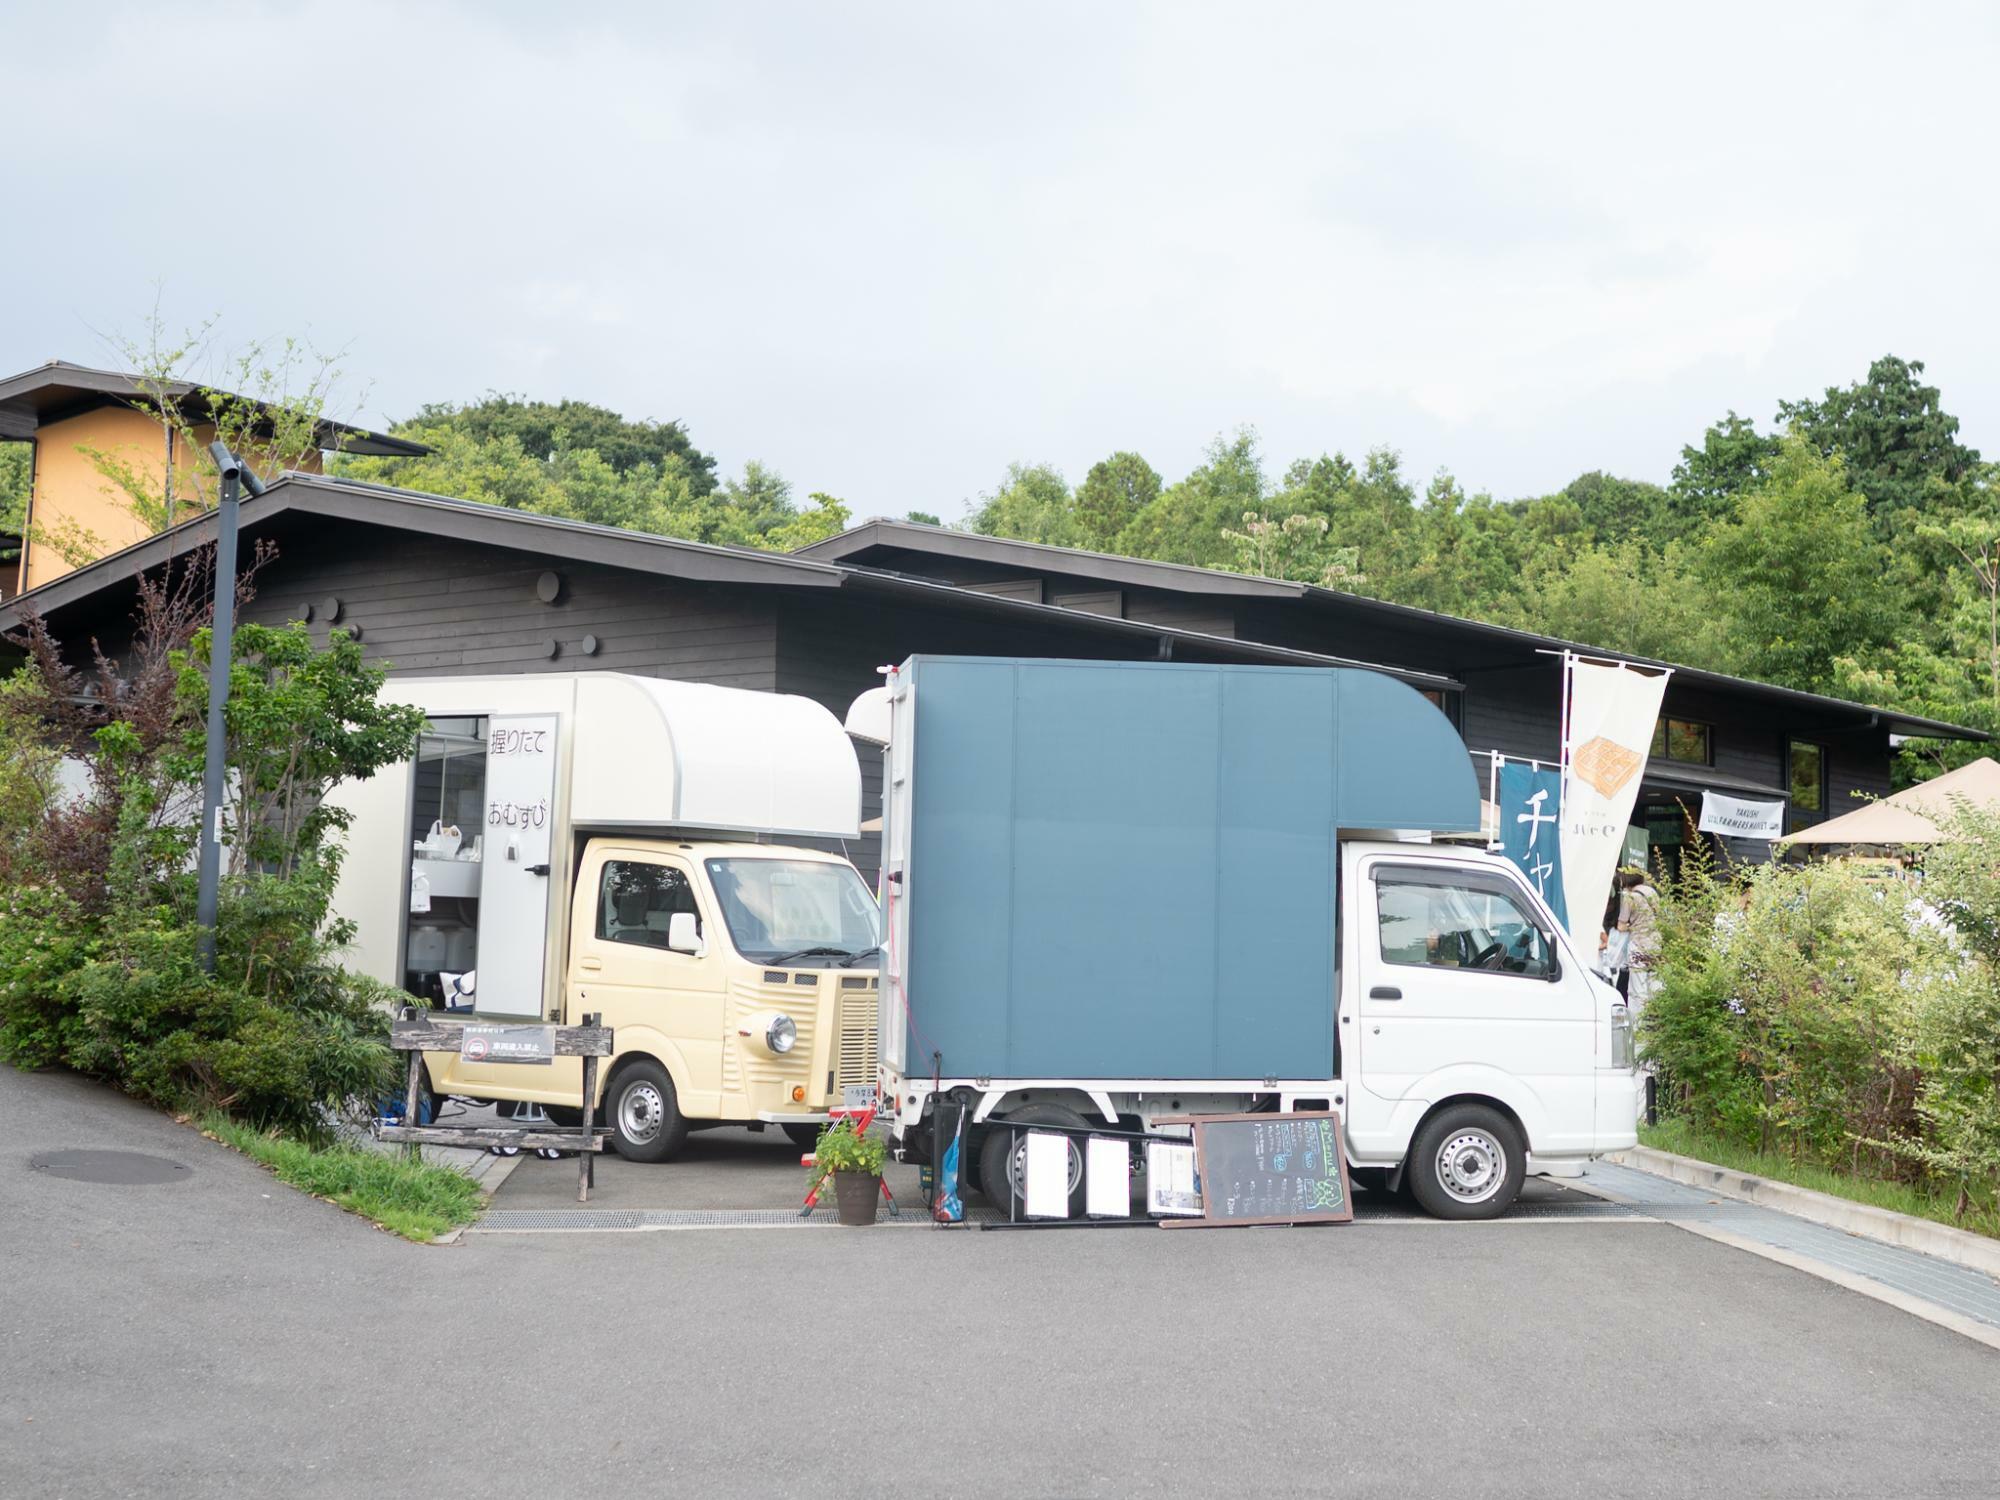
(862, 1118)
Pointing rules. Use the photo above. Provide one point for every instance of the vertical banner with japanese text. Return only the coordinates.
(1609, 710)
(1528, 795)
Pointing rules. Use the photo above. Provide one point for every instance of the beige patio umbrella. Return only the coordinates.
(1913, 816)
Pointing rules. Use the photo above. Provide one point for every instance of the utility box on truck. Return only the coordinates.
(1133, 891)
(1127, 870)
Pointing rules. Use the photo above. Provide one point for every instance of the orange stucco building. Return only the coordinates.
(77, 419)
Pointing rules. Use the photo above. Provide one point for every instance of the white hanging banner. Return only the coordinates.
(1740, 819)
(1609, 712)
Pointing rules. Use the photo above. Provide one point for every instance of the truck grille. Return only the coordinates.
(854, 1062)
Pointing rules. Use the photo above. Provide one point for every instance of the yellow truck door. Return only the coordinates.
(666, 1004)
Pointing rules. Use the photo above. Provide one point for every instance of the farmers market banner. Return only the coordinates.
(1609, 710)
(1741, 819)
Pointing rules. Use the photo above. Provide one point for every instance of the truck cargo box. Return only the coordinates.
(1127, 870)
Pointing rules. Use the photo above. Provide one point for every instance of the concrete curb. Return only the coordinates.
(1959, 1246)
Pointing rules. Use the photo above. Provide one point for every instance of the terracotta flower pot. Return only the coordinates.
(856, 1194)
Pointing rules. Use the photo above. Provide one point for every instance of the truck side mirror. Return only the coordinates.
(684, 933)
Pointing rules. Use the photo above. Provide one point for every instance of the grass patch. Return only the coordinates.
(417, 1200)
(1914, 1199)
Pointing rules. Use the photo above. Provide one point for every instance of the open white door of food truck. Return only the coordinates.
(522, 756)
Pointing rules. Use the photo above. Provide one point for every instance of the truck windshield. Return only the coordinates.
(800, 911)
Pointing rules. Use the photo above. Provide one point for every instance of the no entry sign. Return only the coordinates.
(508, 1044)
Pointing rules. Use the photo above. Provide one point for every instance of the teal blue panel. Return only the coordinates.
(1274, 857)
(1126, 870)
(1402, 765)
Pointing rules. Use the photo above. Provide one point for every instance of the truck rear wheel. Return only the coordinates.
(1003, 1159)
(646, 1120)
(1467, 1163)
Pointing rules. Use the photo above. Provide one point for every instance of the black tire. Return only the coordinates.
(431, 1096)
(644, 1115)
(805, 1137)
(1466, 1163)
(999, 1175)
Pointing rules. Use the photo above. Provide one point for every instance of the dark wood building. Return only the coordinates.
(436, 586)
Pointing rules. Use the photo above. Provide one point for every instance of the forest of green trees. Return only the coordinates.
(1850, 546)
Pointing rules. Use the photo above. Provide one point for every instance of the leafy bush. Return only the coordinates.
(842, 1148)
(1808, 1010)
(99, 957)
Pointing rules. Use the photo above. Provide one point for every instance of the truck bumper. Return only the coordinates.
(1620, 1097)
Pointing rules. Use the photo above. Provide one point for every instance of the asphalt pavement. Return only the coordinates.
(218, 1334)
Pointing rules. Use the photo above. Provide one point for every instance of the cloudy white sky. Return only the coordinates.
(890, 248)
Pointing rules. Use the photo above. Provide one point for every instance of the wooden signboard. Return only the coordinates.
(1269, 1169)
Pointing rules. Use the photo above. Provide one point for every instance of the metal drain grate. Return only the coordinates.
(533, 1220)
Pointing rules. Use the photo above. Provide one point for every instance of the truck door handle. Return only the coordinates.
(590, 964)
(1385, 992)
(538, 869)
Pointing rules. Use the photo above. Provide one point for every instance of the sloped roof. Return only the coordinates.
(582, 541)
(59, 389)
(856, 543)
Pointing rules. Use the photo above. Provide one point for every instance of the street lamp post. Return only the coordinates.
(235, 478)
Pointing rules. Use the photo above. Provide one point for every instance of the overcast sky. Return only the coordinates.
(888, 249)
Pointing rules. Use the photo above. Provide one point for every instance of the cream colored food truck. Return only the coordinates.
(596, 842)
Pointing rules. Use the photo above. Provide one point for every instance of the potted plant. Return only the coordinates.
(855, 1162)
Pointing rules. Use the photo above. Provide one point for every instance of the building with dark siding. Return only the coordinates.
(437, 586)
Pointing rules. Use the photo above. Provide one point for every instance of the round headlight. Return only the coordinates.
(781, 1035)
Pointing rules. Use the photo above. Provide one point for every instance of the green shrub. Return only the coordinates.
(1806, 1010)
(99, 957)
(842, 1148)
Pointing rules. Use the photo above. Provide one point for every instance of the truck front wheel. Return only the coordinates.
(1467, 1163)
(646, 1120)
(1003, 1159)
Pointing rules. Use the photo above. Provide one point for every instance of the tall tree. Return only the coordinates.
(1032, 504)
(1898, 440)
(544, 428)
(1114, 491)
(1622, 510)
(1185, 523)
(1733, 457)
(1797, 580)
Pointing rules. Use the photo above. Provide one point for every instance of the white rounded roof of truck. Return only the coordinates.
(646, 752)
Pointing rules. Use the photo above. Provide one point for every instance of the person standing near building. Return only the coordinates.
(1639, 927)
(1639, 924)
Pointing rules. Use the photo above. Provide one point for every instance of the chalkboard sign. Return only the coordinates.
(1270, 1169)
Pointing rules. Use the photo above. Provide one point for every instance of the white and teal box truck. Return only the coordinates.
(1117, 891)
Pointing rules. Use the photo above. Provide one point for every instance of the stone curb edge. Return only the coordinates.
(1959, 1246)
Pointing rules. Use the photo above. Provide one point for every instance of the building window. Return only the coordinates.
(1450, 704)
(1684, 740)
(1808, 768)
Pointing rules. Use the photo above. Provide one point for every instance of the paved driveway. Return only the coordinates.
(221, 1336)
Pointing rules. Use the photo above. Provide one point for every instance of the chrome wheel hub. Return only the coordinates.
(1471, 1166)
(641, 1113)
